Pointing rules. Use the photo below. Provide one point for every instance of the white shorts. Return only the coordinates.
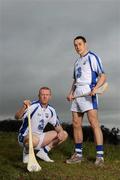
(83, 104)
(40, 136)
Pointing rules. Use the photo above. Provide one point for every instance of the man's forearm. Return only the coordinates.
(101, 81)
(20, 112)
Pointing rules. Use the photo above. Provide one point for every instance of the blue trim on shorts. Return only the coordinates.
(24, 126)
(94, 99)
(94, 102)
(20, 138)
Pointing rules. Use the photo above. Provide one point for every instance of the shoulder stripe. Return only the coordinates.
(50, 106)
(35, 102)
(34, 111)
(97, 61)
(90, 63)
(51, 112)
(93, 73)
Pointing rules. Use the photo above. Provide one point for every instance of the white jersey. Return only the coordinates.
(87, 69)
(40, 117)
(86, 72)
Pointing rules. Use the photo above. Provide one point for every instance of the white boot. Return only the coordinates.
(43, 155)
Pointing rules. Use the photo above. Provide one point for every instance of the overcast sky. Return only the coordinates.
(36, 45)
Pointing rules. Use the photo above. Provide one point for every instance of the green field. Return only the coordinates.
(12, 168)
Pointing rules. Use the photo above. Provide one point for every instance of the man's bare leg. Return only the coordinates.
(98, 136)
(78, 138)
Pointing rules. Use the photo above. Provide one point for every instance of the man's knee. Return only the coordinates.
(76, 123)
(95, 125)
(65, 135)
(54, 134)
(77, 119)
(93, 119)
(63, 138)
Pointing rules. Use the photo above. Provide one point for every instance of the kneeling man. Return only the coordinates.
(41, 114)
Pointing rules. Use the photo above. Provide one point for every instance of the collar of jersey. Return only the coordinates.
(42, 106)
(85, 54)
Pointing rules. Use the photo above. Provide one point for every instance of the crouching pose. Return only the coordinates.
(41, 114)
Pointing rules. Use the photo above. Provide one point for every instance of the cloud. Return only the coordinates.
(37, 47)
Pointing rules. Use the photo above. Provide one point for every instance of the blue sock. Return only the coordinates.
(99, 151)
(47, 149)
(78, 149)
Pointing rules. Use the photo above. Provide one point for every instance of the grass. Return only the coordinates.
(12, 168)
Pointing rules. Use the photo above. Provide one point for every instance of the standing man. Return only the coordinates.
(88, 77)
(41, 114)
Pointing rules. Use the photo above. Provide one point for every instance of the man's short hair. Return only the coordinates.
(46, 88)
(80, 37)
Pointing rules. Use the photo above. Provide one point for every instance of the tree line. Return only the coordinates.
(110, 136)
